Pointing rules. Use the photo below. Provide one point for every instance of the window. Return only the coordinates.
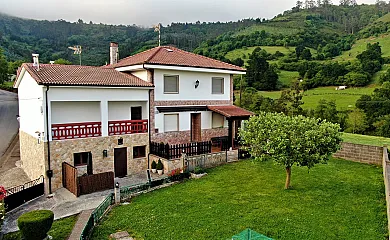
(136, 113)
(171, 122)
(217, 86)
(139, 151)
(218, 120)
(171, 84)
(81, 158)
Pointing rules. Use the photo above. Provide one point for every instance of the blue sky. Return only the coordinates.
(147, 12)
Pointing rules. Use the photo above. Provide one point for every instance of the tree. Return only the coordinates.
(356, 122)
(371, 59)
(3, 68)
(260, 74)
(306, 54)
(62, 61)
(290, 140)
(326, 110)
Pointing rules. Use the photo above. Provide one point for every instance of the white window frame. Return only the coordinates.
(178, 124)
(177, 80)
(223, 85)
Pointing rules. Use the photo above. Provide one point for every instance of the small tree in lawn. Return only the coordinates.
(290, 140)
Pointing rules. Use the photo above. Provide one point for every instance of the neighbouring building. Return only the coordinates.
(102, 119)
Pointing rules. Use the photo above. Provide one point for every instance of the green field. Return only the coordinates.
(285, 77)
(345, 99)
(385, 18)
(244, 53)
(339, 200)
(360, 46)
(268, 28)
(366, 140)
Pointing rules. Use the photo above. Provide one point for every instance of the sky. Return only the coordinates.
(147, 12)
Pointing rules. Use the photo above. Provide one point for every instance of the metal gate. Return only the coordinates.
(18, 195)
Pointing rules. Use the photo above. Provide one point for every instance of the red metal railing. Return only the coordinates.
(127, 127)
(76, 130)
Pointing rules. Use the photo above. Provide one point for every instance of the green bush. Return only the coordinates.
(199, 170)
(154, 164)
(159, 165)
(34, 225)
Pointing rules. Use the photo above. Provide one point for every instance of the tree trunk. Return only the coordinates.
(288, 178)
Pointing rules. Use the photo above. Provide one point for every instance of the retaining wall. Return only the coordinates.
(360, 153)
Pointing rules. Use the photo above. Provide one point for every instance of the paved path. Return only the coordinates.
(8, 123)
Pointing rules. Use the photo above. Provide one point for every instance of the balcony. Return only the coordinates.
(127, 127)
(94, 129)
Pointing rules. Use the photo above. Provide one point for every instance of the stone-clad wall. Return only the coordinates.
(32, 155)
(63, 150)
(360, 153)
(185, 136)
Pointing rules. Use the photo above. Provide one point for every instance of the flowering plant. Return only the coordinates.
(3, 193)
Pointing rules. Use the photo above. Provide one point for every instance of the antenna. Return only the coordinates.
(77, 50)
(157, 28)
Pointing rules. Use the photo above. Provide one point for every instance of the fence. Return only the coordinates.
(76, 130)
(18, 195)
(96, 215)
(95, 182)
(206, 160)
(174, 151)
(69, 178)
(127, 127)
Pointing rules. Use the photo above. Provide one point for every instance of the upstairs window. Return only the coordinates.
(217, 85)
(171, 83)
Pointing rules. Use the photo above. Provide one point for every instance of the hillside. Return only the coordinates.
(21, 37)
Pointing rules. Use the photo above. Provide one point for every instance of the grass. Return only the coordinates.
(344, 99)
(240, 53)
(60, 229)
(340, 200)
(366, 140)
(268, 28)
(285, 77)
(361, 45)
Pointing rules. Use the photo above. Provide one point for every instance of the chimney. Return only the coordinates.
(114, 54)
(36, 60)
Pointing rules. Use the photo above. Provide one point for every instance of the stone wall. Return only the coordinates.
(185, 136)
(386, 177)
(32, 155)
(63, 150)
(360, 153)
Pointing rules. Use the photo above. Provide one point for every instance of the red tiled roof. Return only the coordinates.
(74, 75)
(167, 55)
(230, 111)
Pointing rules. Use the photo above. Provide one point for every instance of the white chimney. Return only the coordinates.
(114, 54)
(35, 60)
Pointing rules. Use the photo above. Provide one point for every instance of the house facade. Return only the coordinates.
(102, 119)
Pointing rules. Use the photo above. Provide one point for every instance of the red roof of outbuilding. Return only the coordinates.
(74, 75)
(167, 55)
(231, 111)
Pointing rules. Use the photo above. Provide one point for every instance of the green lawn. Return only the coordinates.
(60, 230)
(365, 139)
(340, 200)
(344, 99)
(360, 46)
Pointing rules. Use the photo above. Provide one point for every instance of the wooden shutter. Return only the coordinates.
(171, 84)
(217, 87)
(171, 122)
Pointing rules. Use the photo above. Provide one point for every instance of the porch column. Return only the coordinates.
(230, 132)
(104, 117)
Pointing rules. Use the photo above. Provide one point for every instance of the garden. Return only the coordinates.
(338, 200)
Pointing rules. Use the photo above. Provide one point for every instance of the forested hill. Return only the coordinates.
(51, 39)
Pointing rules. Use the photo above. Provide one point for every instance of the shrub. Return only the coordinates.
(159, 166)
(178, 174)
(154, 164)
(199, 170)
(34, 225)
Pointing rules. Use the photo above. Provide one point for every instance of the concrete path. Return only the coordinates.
(8, 123)
(10, 172)
(80, 224)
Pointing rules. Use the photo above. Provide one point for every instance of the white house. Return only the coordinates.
(102, 119)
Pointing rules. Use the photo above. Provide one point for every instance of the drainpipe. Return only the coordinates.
(49, 172)
(150, 141)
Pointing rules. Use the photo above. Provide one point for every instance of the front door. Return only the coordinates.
(120, 162)
(196, 127)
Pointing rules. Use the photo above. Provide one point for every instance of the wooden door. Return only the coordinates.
(136, 113)
(196, 127)
(120, 162)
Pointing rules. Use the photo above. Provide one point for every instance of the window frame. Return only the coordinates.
(82, 163)
(138, 150)
(177, 83)
(222, 86)
(178, 124)
(222, 122)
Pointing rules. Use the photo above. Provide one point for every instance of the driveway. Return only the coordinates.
(8, 123)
